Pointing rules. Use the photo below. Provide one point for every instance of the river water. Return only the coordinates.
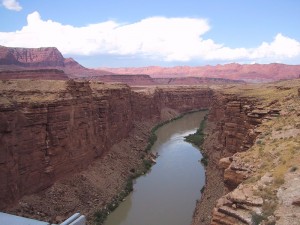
(167, 194)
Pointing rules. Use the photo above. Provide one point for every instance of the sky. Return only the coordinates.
(134, 33)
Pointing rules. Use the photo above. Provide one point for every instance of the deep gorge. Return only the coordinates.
(77, 142)
(54, 129)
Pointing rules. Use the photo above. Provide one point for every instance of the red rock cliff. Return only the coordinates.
(50, 129)
(40, 57)
(234, 123)
(246, 72)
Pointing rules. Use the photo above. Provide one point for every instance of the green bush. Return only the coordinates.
(202, 189)
(257, 218)
(204, 160)
(198, 137)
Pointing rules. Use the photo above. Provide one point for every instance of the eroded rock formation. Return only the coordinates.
(30, 57)
(51, 129)
(43, 74)
(252, 138)
(251, 72)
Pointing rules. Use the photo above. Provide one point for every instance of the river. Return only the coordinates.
(167, 194)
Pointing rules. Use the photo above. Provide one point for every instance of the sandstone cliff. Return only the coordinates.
(249, 133)
(53, 129)
(29, 57)
(48, 63)
(252, 73)
(22, 63)
(43, 74)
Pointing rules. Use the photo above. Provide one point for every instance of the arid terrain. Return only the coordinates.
(254, 138)
(248, 72)
(20, 62)
(71, 145)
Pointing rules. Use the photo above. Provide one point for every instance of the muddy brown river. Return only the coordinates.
(167, 194)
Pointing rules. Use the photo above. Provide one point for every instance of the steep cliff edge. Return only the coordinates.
(71, 146)
(21, 63)
(256, 129)
(75, 144)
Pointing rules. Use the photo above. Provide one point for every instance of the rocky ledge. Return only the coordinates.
(253, 137)
(70, 146)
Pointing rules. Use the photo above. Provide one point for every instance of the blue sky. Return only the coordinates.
(157, 32)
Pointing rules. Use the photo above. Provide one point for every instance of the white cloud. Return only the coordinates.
(281, 47)
(168, 39)
(12, 5)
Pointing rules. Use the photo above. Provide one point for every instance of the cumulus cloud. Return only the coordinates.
(168, 39)
(12, 5)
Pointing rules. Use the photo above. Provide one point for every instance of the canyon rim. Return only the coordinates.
(71, 137)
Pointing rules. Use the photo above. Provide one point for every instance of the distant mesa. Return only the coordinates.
(234, 71)
(49, 63)
(42, 74)
(31, 57)
(26, 60)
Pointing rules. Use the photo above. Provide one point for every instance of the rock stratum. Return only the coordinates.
(253, 148)
(25, 60)
(233, 71)
(69, 145)
(51, 130)
(48, 64)
(44, 63)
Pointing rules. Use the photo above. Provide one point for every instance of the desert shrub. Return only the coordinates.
(198, 137)
(293, 169)
(147, 164)
(202, 189)
(257, 218)
(204, 160)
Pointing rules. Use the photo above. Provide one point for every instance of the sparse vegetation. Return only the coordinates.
(204, 159)
(257, 218)
(101, 215)
(198, 137)
(202, 189)
(275, 151)
(293, 169)
(153, 137)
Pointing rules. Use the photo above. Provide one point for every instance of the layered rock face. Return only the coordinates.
(50, 129)
(29, 57)
(235, 121)
(43, 74)
(251, 72)
(194, 81)
(39, 63)
(127, 79)
(48, 63)
(237, 128)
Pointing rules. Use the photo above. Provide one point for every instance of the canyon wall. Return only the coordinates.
(233, 127)
(246, 72)
(51, 129)
(44, 74)
(31, 57)
(237, 121)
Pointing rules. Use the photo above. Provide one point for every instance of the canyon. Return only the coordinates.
(72, 139)
(49, 64)
(252, 143)
(72, 145)
(53, 129)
